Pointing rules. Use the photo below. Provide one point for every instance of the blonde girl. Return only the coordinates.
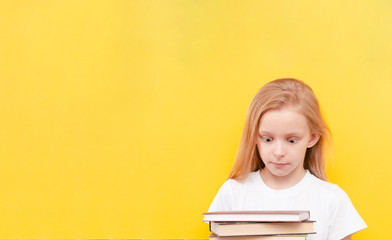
(280, 162)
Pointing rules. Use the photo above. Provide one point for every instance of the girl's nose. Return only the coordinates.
(279, 150)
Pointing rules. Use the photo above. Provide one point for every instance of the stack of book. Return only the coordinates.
(259, 225)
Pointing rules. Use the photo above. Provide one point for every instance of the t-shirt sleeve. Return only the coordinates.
(223, 200)
(345, 219)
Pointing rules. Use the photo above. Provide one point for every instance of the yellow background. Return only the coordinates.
(121, 119)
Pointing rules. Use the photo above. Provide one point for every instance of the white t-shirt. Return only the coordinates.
(328, 204)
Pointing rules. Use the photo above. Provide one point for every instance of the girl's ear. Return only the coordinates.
(314, 138)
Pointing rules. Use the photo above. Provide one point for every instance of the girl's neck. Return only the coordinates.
(281, 182)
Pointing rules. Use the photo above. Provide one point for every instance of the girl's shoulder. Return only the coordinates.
(251, 179)
(325, 188)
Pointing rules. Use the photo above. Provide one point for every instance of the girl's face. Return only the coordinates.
(284, 136)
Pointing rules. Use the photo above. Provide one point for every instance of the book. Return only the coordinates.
(261, 228)
(275, 237)
(256, 216)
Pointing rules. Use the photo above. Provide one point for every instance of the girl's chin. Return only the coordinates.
(279, 172)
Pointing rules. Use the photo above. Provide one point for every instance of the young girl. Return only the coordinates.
(280, 163)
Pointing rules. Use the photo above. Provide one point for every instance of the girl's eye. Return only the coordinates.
(292, 140)
(267, 139)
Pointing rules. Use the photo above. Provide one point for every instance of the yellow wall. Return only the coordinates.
(120, 119)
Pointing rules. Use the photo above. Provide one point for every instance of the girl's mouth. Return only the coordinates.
(279, 165)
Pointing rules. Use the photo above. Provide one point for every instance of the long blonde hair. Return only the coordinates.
(275, 95)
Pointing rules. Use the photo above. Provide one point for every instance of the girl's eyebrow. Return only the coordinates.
(263, 132)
